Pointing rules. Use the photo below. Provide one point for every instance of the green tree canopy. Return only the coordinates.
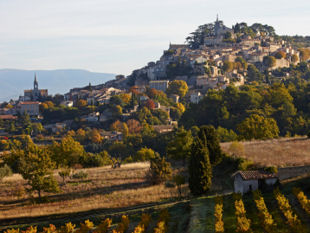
(258, 127)
(179, 147)
(177, 87)
(35, 165)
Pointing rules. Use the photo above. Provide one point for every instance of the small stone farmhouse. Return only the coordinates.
(247, 181)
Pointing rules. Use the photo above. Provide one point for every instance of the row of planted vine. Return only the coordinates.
(105, 226)
(243, 224)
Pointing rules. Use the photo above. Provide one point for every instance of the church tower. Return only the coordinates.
(35, 92)
(35, 83)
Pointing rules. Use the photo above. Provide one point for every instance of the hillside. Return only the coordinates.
(14, 82)
(277, 152)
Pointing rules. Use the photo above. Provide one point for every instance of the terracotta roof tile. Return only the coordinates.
(256, 174)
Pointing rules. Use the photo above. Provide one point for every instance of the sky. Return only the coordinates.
(118, 36)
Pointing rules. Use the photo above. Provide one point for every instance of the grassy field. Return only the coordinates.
(278, 152)
(104, 188)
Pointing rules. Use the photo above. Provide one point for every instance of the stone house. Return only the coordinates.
(31, 107)
(160, 85)
(247, 181)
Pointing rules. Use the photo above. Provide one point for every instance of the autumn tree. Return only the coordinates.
(145, 154)
(150, 104)
(177, 87)
(80, 135)
(258, 127)
(94, 136)
(120, 127)
(304, 54)
(67, 153)
(134, 126)
(81, 103)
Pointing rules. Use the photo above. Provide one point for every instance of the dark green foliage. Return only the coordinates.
(287, 104)
(209, 138)
(199, 168)
(160, 170)
(254, 74)
(226, 135)
(96, 160)
(179, 147)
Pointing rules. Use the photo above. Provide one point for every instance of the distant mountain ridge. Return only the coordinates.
(13, 82)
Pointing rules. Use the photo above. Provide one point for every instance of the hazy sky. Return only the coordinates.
(118, 36)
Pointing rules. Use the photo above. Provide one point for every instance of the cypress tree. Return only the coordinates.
(210, 139)
(200, 170)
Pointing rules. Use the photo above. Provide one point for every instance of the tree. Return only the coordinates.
(125, 98)
(226, 135)
(5, 171)
(64, 173)
(177, 87)
(280, 54)
(179, 148)
(37, 127)
(199, 168)
(150, 104)
(134, 126)
(36, 167)
(258, 127)
(228, 66)
(254, 74)
(81, 103)
(160, 170)
(80, 135)
(269, 61)
(95, 136)
(304, 54)
(179, 180)
(68, 152)
(243, 63)
(145, 154)
(209, 138)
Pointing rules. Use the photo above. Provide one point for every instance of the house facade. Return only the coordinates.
(248, 181)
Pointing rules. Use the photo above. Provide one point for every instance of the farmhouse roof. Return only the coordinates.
(256, 174)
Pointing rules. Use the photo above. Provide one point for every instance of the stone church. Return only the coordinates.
(36, 93)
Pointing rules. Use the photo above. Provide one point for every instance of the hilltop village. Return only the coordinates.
(214, 57)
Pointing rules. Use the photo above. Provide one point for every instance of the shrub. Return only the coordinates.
(5, 171)
(236, 149)
(80, 175)
(160, 170)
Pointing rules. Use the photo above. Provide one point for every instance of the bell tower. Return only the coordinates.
(35, 83)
